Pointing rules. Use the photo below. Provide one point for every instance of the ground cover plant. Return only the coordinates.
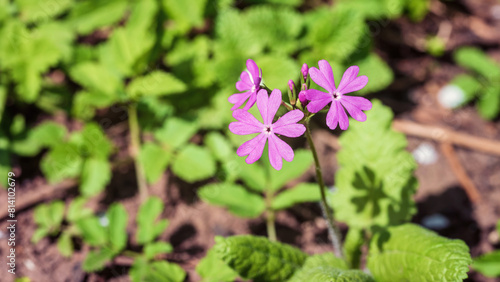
(254, 140)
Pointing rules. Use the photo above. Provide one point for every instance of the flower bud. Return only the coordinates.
(305, 71)
(291, 85)
(302, 98)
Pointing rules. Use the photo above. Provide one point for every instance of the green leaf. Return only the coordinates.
(328, 268)
(488, 264)
(185, 14)
(155, 160)
(164, 271)
(374, 9)
(469, 85)
(194, 163)
(4, 158)
(233, 197)
(277, 70)
(352, 246)
(258, 258)
(97, 78)
(148, 228)
(176, 132)
(417, 9)
(92, 231)
(96, 260)
(304, 192)
(275, 27)
(253, 175)
(117, 229)
(156, 83)
(50, 215)
(139, 269)
(156, 248)
(219, 145)
(375, 182)
(63, 161)
(211, 268)
(379, 73)
(65, 245)
(410, 252)
(92, 141)
(333, 34)
(302, 161)
(476, 60)
(96, 174)
(77, 210)
(124, 50)
(39, 234)
(89, 15)
(489, 102)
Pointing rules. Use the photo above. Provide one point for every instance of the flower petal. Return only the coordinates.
(253, 69)
(354, 111)
(290, 130)
(251, 101)
(284, 150)
(317, 100)
(243, 86)
(243, 128)
(348, 76)
(268, 105)
(343, 119)
(245, 77)
(246, 117)
(253, 148)
(238, 99)
(332, 117)
(357, 84)
(320, 79)
(326, 69)
(360, 102)
(289, 118)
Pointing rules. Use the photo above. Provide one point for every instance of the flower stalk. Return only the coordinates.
(135, 143)
(270, 217)
(333, 230)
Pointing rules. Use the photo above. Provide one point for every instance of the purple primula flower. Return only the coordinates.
(287, 125)
(250, 82)
(336, 96)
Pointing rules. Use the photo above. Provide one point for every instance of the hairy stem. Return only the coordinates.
(333, 230)
(135, 142)
(271, 229)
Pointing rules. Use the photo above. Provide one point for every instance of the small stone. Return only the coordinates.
(495, 12)
(451, 96)
(425, 154)
(103, 219)
(436, 221)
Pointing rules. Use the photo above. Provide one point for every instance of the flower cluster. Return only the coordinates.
(310, 101)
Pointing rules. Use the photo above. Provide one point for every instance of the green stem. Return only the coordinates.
(333, 230)
(135, 141)
(271, 229)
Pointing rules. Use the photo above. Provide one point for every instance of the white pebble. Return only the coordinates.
(29, 264)
(425, 154)
(103, 220)
(436, 221)
(451, 96)
(495, 12)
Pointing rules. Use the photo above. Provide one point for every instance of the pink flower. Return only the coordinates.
(287, 125)
(350, 82)
(250, 82)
